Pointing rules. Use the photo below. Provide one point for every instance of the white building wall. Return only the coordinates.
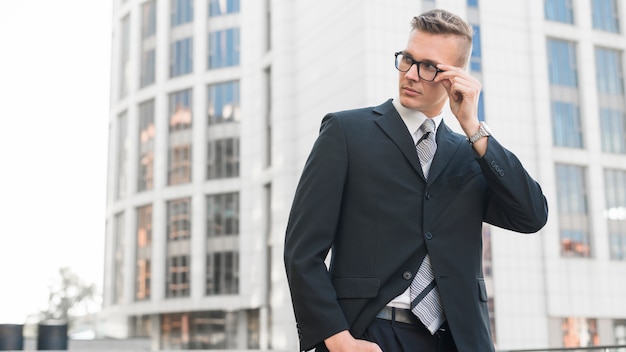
(327, 56)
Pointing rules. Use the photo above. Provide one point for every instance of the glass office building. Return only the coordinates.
(215, 105)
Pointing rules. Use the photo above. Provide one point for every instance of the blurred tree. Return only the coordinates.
(69, 297)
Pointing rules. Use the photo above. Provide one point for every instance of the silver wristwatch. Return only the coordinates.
(483, 131)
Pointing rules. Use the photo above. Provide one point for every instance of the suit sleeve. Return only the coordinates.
(310, 233)
(516, 201)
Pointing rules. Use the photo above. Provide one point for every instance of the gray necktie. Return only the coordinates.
(425, 299)
(426, 146)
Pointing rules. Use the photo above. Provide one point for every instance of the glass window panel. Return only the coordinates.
(124, 67)
(476, 57)
(122, 155)
(148, 18)
(566, 129)
(179, 219)
(223, 7)
(615, 211)
(613, 129)
(573, 213)
(223, 103)
(119, 249)
(609, 75)
(146, 146)
(562, 63)
(559, 11)
(605, 15)
(580, 332)
(143, 252)
(222, 271)
(181, 12)
(181, 57)
(223, 158)
(223, 48)
(223, 215)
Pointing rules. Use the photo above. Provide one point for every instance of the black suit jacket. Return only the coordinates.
(363, 194)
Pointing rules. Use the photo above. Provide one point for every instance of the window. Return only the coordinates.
(559, 11)
(223, 215)
(148, 19)
(580, 332)
(146, 146)
(605, 15)
(179, 164)
(613, 127)
(181, 57)
(566, 129)
(565, 111)
(562, 63)
(148, 43)
(143, 252)
(223, 48)
(180, 110)
(223, 102)
(573, 213)
(124, 58)
(118, 258)
(199, 330)
(180, 137)
(178, 219)
(181, 12)
(178, 276)
(619, 331)
(476, 57)
(222, 271)
(178, 247)
(609, 72)
(611, 98)
(122, 154)
(223, 158)
(615, 211)
(223, 7)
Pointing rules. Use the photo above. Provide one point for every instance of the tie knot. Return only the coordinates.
(428, 126)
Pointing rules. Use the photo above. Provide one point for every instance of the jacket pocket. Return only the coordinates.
(356, 287)
(482, 290)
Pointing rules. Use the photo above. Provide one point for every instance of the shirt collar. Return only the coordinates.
(413, 119)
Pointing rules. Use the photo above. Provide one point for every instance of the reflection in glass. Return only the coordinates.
(615, 211)
(223, 7)
(573, 210)
(146, 146)
(143, 252)
(223, 103)
(223, 214)
(223, 158)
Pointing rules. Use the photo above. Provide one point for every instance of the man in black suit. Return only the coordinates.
(404, 226)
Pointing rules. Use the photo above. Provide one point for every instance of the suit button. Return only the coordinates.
(428, 235)
(407, 275)
(428, 196)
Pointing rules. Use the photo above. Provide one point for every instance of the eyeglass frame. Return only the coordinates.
(417, 63)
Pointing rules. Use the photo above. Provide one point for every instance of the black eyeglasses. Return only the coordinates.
(425, 71)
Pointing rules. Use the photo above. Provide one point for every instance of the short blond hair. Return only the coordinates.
(442, 22)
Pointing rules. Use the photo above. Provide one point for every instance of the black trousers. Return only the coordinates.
(393, 336)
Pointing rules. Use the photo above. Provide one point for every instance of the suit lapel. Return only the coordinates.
(447, 145)
(392, 125)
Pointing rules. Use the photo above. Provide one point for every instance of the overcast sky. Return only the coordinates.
(54, 101)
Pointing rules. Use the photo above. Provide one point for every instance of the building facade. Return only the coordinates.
(215, 105)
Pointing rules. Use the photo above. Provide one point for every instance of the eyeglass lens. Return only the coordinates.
(425, 70)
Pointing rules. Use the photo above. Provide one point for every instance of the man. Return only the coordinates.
(404, 226)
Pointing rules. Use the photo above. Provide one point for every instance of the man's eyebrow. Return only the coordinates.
(426, 61)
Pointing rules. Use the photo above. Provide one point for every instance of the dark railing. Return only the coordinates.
(615, 348)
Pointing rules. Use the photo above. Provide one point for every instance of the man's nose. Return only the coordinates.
(412, 73)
